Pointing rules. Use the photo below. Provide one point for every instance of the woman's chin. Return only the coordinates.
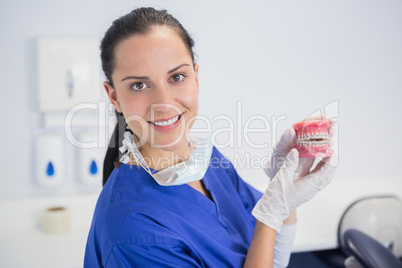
(170, 145)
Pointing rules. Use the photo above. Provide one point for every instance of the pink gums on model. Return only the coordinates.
(312, 138)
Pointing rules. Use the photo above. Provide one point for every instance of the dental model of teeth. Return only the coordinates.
(312, 138)
(167, 123)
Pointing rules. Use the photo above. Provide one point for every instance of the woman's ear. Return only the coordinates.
(111, 92)
(196, 66)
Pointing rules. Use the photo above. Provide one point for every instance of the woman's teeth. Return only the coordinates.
(167, 123)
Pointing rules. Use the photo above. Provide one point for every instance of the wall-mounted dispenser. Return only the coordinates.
(68, 72)
(49, 159)
(91, 159)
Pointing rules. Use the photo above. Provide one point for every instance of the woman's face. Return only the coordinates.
(156, 87)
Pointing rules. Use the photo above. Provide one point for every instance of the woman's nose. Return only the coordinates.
(163, 99)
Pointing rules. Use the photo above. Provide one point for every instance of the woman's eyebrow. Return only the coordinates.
(147, 77)
(135, 77)
(178, 67)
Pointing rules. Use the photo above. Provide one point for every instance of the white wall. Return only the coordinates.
(277, 57)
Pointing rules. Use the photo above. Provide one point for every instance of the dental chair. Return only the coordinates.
(370, 233)
(367, 252)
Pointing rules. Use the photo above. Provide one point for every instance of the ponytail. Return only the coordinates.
(112, 153)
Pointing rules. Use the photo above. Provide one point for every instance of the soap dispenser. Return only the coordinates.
(90, 160)
(49, 159)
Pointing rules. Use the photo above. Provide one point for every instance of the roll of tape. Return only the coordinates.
(56, 220)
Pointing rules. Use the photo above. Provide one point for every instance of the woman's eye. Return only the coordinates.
(139, 86)
(177, 77)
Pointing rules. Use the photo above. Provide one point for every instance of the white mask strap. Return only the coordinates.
(129, 146)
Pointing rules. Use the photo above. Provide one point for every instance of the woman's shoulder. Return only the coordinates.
(132, 198)
(121, 180)
(127, 186)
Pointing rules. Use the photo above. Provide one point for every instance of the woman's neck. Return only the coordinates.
(159, 159)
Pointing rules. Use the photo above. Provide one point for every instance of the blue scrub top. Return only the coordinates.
(138, 223)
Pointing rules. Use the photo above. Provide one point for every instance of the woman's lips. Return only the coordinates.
(168, 124)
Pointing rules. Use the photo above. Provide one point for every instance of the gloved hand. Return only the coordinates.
(284, 194)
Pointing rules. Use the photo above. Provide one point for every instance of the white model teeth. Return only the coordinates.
(313, 139)
(311, 143)
(167, 123)
(308, 136)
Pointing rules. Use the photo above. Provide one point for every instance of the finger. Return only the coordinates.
(318, 166)
(286, 141)
(283, 147)
(332, 135)
(288, 135)
(327, 161)
(289, 167)
(332, 132)
(333, 128)
(334, 121)
(331, 142)
(321, 176)
(304, 166)
(333, 160)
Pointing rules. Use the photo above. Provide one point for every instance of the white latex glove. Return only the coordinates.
(284, 194)
(280, 152)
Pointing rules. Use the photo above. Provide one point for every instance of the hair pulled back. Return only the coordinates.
(137, 22)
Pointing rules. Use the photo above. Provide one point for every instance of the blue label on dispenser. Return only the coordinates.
(93, 168)
(50, 169)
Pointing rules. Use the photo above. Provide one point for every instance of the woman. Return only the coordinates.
(159, 207)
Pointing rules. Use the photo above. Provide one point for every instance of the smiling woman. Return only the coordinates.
(148, 60)
(156, 68)
(172, 211)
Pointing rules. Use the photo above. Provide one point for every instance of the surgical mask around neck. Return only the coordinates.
(183, 172)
